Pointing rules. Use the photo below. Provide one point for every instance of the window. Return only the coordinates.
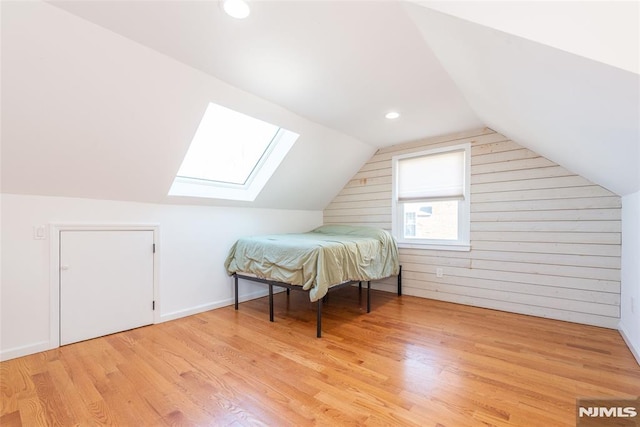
(410, 224)
(231, 156)
(431, 198)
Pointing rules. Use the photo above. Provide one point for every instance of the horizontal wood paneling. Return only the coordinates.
(528, 184)
(544, 194)
(527, 289)
(544, 258)
(550, 248)
(518, 277)
(551, 215)
(551, 237)
(586, 226)
(544, 241)
(517, 175)
(536, 205)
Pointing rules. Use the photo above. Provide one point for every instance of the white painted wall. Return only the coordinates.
(194, 241)
(630, 289)
(88, 113)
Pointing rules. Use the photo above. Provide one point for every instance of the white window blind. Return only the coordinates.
(432, 177)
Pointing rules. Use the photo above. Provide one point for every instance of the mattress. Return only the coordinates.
(316, 260)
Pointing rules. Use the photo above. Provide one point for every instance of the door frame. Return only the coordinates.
(54, 268)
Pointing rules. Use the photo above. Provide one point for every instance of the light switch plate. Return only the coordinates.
(39, 232)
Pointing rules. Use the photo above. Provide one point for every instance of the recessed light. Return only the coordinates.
(238, 9)
(392, 115)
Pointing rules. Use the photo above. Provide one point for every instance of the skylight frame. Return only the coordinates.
(277, 138)
(256, 167)
(262, 170)
(227, 146)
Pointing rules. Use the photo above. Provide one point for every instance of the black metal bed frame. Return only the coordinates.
(272, 283)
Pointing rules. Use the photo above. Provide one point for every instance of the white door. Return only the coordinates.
(106, 282)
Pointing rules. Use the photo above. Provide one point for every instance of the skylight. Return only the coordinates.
(231, 156)
(227, 146)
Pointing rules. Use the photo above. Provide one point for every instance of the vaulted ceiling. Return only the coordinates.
(100, 99)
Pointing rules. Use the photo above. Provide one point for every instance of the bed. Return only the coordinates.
(328, 257)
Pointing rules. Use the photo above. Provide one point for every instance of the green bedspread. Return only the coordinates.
(316, 260)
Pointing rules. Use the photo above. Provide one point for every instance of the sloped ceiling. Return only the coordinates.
(581, 112)
(88, 113)
(342, 64)
(100, 99)
(604, 31)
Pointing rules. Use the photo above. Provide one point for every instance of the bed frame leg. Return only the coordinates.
(288, 291)
(270, 302)
(368, 297)
(235, 285)
(400, 281)
(319, 319)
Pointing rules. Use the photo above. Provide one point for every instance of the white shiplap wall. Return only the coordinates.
(544, 241)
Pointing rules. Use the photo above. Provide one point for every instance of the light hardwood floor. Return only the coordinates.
(411, 361)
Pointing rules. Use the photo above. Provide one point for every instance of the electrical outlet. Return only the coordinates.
(439, 272)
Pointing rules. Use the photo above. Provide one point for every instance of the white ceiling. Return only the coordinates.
(604, 31)
(576, 111)
(100, 99)
(342, 64)
(88, 113)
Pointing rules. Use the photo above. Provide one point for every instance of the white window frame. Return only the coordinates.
(464, 206)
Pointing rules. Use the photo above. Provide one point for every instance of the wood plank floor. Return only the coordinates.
(411, 361)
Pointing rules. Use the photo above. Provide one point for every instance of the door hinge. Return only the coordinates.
(154, 248)
(153, 305)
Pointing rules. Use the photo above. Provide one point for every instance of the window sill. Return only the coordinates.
(435, 247)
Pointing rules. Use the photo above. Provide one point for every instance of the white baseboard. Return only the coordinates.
(635, 351)
(213, 305)
(25, 350)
